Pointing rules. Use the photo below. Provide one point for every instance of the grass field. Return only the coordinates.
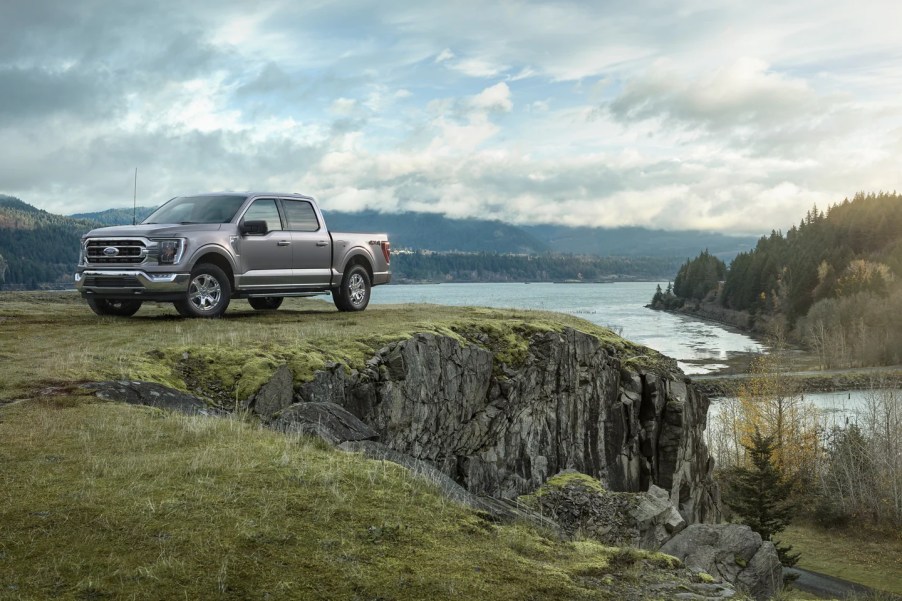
(863, 555)
(53, 338)
(106, 501)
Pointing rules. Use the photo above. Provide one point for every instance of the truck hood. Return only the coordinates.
(154, 230)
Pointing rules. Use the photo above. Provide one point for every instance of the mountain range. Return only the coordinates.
(434, 232)
(39, 248)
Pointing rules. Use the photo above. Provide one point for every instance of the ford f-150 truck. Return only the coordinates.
(200, 252)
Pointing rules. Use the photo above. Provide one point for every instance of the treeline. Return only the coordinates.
(495, 267)
(37, 247)
(833, 280)
(853, 246)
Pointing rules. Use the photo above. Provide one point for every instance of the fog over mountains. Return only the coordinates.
(431, 231)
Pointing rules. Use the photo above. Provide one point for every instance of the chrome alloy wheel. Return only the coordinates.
(204, 292)
(357, 289)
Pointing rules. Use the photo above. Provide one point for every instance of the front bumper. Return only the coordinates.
(131, 283)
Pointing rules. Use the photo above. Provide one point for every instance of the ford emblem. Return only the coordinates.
(111, 251)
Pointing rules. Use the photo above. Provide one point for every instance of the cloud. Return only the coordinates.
(691, 115)
(744, 92)
(494, 98)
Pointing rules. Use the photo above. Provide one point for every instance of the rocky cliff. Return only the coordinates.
(502, 423)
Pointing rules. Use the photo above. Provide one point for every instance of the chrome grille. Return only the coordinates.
(127, 252)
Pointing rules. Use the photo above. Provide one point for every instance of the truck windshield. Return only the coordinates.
(197, 209)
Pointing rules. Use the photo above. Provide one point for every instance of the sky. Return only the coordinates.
(726, 115)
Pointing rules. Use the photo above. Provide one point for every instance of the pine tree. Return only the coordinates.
(761, 496)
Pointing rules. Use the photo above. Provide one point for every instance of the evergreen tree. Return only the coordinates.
(761, 496)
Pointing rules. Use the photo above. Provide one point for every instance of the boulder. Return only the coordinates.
(275, 395)
(731, 552)
(581, 506)
(329, 421)
(151, 395)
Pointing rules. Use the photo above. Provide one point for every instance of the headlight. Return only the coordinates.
(170, 251)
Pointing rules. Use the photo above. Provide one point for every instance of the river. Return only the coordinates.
(699, 347)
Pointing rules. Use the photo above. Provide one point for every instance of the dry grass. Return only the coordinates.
(105, 501)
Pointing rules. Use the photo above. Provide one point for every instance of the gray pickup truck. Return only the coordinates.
(200, 252)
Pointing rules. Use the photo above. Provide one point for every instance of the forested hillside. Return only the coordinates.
(836, 278)
(37, 247)
(116, 216)
(496, 267)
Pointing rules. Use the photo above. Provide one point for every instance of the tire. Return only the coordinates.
(266, 303)
(119, 308)
(354, 292)
(208, 293)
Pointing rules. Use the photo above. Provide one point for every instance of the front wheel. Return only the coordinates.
(354, 292)
(266, 303)
(119, 308)
(208, 293)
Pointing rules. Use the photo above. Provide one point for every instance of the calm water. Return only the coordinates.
(699, 347)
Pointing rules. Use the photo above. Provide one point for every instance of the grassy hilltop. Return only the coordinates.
(106, 501)
(101, 500)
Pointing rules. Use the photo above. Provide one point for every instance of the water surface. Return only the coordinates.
(699, 347)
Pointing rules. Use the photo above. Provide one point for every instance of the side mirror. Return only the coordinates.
(253, 228)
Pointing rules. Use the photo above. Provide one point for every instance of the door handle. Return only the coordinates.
(283, 243)
(322, 243)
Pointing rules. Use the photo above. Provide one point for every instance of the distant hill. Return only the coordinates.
(430, 231)
(639, 241)
(37, 247)
(116, 216)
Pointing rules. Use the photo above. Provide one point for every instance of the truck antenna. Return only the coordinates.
(135, 199)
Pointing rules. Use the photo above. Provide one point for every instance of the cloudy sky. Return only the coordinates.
(727, 115)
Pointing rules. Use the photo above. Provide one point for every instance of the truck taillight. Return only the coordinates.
(386, 251)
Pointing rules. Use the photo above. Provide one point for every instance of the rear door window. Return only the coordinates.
(301, 216)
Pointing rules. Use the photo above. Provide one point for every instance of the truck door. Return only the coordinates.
(311, 245)
(266, 259)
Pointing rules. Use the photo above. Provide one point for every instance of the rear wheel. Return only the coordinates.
(108, 306)
(354, 292)
(208, 293)
(266, 303)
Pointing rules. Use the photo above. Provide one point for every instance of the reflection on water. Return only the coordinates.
(699, 347)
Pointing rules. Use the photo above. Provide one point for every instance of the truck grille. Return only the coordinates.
(128, 252)
(111, 281)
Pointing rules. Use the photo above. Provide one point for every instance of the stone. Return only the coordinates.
(732, 552)
(657, 520)
(275, 395)
(329, 421)
(494, 508)
(581, 506)
(151, 395)
(502, 430)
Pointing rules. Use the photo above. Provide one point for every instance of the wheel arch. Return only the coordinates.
(216, 256)
(359, 258)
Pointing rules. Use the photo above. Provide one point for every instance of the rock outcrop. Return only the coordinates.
(581, 506)
(732, 552)
(501, 429)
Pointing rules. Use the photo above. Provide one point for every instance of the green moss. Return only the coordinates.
(229, 359)
(704, 577)
(559, 481)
